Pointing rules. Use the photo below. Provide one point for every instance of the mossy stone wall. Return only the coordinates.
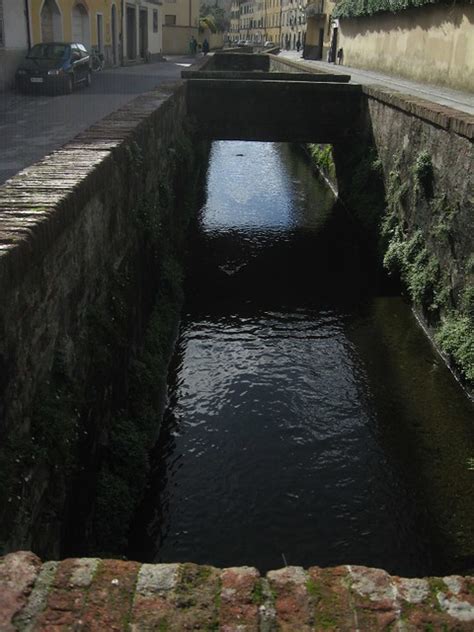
(90, 240)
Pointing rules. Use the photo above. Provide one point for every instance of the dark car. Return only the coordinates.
(54, 66)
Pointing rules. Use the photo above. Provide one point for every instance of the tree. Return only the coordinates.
(217, 16)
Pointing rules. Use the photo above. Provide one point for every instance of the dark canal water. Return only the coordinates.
(309, 420)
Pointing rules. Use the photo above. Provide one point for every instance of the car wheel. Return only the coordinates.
(88, 79)
(68, 84)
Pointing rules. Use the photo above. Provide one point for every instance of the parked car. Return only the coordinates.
(55, 66)
(242, 43)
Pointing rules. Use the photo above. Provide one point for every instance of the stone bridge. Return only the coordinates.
(259, 97)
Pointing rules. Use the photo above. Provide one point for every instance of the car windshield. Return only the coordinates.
(48, 51)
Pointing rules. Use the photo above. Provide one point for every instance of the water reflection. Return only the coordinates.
(275, 442)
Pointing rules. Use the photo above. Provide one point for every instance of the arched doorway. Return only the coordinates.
(114, 36)
(81, 30)
(51, 27)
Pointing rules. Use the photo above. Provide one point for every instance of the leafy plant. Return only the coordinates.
(355, 8)
(456, 338)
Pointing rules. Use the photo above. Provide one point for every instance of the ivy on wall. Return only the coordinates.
(358, 8)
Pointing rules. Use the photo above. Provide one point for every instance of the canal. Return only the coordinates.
(309, 419)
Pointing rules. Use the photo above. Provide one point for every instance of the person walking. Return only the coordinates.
(193, 46)
(298, 45)
(205, 46)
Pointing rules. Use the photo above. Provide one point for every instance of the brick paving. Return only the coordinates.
(112, 596)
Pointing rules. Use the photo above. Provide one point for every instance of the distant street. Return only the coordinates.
(34, 125)
(456, 99)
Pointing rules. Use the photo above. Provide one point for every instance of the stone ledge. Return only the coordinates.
(112, 595)
(445, 117)
(40, 201)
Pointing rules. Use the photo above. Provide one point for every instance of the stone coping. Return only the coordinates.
(112, 595)
(264, 76)
(41, 200)
(443, 116)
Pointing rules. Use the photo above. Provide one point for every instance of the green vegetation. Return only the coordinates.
(258, 594)
(313, 589)
(409, 255)
(213, 17)
(322, 159)
(356, 8)
(419, 269)
(456, 338)
(423, 174)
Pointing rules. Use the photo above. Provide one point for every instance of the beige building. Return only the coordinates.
(318, 29)
(234, 28)
(273, 21)
(293, 24)
(247, 19)
(260, 21)
(180, 23)
(142, 30)
(13, 39)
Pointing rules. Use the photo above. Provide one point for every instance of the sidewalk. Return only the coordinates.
(34, 124)
(463, 101)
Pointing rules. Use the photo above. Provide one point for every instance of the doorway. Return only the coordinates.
(114, 36)
(100, 32)
(320, 44)
(80, 25)
(51, 28)
(143, 42)
(131, 33)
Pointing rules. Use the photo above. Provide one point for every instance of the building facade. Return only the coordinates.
(95, 23)
(320, 40)
(13, 38)
(234, 28)
(142, 30)
(273, 21)
(293, 29)
(123, 31)
(282, 22)
(180, 24)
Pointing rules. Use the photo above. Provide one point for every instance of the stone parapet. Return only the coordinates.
(111, 595)
(441, 116)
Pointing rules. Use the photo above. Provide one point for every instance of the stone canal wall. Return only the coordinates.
(410, 180)
(86, 237)
(426, 155)
(98, 595)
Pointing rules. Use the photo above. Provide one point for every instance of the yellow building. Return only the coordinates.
(95, 23)
(134, 36)
(180, 23)
(273, 21)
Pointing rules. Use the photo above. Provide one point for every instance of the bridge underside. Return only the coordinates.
(296, 111)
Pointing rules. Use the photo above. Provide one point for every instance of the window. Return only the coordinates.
(155, 21)
(170, 20)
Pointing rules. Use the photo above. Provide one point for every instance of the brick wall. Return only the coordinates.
(110, 595)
